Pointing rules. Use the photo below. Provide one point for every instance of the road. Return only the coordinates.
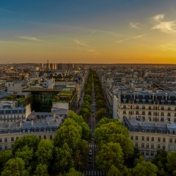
(91, 167)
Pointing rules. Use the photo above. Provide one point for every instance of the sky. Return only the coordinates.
(88, 31)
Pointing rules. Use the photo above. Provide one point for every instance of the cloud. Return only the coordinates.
(29, 38)
(166, 26)
(131, 38)
(159, 17)
(80, 43)
(134, 25)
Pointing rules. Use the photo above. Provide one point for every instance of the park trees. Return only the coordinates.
(44, 151)
(145, 168)
(15, 167)
(114, 143)
(108, 155)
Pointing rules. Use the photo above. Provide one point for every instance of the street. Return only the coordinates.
(91, 167)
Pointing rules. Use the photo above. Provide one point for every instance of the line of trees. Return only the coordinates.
(101, 109)
(116, 154)
(64, 155)
(85, 110)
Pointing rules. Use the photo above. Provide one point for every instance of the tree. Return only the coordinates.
(62, 158)
(26, 154)
(171, 160)
(30, 141)
(81, 122)
(80, 154)
(73, 172)
(5, 155)
(14, 167)
(45, 151)
(109, 130)
(145, 168)
(125, 143)
(101, 113)
(108, 155)
(69, 134)
(160, 161)
(85, 112)
(114, 171)
(41, 170)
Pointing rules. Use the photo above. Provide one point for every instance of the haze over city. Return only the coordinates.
(90, 31)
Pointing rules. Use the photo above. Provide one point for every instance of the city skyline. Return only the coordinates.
(114, 31)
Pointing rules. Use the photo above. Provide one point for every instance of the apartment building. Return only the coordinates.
(40, 124)
(150, 118)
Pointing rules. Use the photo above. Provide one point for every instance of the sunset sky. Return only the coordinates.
(88, 31)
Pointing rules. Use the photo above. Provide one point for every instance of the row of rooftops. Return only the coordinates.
(37, 122)
(151, 127)
(142, 97)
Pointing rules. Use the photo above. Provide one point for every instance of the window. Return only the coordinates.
(143, 138)
(147, 138)
(132, 137)
(159, 139)
(152, 138)
(142, 145)
(170, 140)
(136, 137)
(12, 139)
(164, 140)
(5, 139)
(162, 119)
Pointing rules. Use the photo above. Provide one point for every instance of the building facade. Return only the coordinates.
(150, 118)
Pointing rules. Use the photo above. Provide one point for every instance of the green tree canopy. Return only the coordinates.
(41, 170)
(113, 171)
(30, 141)
(45, 151)
(14, 167)
(5, 155)
(171, 160)
(26, 153)
(108, 155)
(69, 134)
(145, 168)
(62, 158)
(73, 172)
